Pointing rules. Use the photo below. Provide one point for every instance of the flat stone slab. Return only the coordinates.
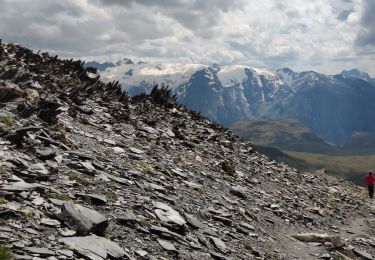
(166, 245)
(94, 247)
(136, 150)
(168, 214)
(239, 191)
(363, 254)
(312, 237)
(219, 244)
(83, 220)
(40, 250)
(18, 186)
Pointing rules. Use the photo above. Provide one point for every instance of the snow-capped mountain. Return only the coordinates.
(332, 105)
(355, 73)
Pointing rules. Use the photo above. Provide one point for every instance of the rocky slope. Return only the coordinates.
(87, 172)
(333, 106)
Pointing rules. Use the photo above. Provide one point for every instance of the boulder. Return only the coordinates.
(83, 220)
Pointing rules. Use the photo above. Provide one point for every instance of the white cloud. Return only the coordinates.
(324, 35)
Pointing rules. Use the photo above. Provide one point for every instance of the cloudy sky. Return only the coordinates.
(322, 35)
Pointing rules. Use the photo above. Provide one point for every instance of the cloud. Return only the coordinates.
(366, 37)
(320, 34)
(343, 16)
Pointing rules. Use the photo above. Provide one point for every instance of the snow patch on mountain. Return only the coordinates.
(171, 74)
(230, 76)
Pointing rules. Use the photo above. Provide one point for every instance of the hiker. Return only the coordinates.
(370, 180)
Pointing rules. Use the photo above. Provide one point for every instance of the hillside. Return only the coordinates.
(88, 172)
(285, 134)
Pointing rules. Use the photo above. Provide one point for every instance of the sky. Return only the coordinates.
(322, 35)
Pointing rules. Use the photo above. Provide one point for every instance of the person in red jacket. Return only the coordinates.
(370, 181)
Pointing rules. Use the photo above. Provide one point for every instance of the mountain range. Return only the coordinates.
(333, 106)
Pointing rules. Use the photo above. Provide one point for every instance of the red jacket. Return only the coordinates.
(370, 179)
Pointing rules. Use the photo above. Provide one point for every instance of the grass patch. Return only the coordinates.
(144, 223)
(87, 199)
(247, 245)
(228, 167)
(145, 167)
(58, 196)
(79, 178)
(3, 169)
(8, 120)
(111, 196)
(148, 188)
(28, 214)
(60, 134)
(5, 253)
(2, 200)
(202, 216)
(83, 120)
(347, 167)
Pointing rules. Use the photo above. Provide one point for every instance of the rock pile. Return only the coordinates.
(86, 171)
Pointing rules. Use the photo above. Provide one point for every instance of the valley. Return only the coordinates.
(289, 141)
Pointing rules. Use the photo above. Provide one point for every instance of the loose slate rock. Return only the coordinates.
(239, 191)
(192, 221)
(83, 220)
(363, 254)
(117, 149)
(136, 150)
(40, 251)
(94, 247)
(45, 153)
(312, 237)
(50, 222)
(18, 186)
(167, 214)
(218, 244)
(166, 245)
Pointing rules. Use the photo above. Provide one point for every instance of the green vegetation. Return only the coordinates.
(145, 167)
(8, 120)
(289, 141)
(148, 188)
(57, 196)
(28, 214)
(83, 120)
(228, 167)
(79, 178)
(87, 199)
(144, 223)
(247, 245)
(2, 200)
(60, 133)
(5, 253)
(202, 216)
(111, 196)
(285, 134)
(3, 169)
(353, 168)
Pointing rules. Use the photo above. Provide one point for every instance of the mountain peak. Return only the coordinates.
(355, 73)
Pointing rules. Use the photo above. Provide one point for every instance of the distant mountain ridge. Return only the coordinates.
(333, 106)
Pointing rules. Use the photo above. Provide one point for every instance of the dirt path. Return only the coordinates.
(357, 227)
